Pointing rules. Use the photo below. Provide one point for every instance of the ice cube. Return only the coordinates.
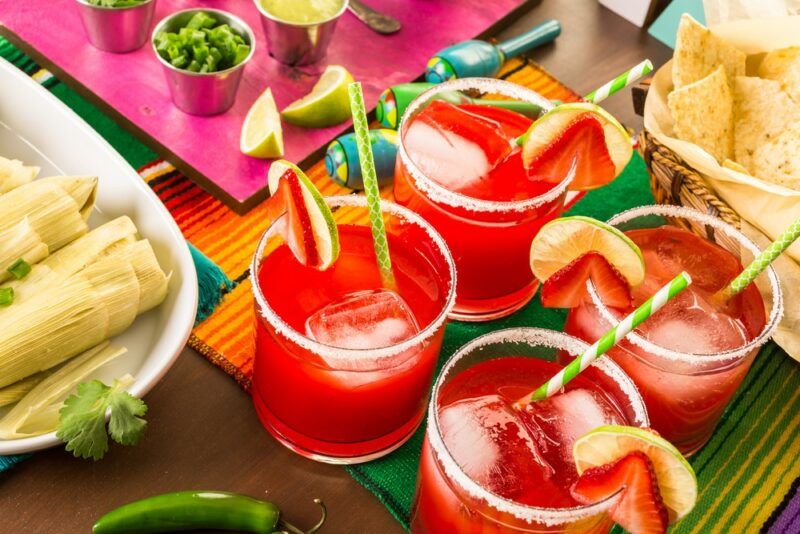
(363, 320)
(492, 445)
(693, 323)
(563, 418)
(453, 147)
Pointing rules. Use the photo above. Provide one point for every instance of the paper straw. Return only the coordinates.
(609, 339)
(629, 77)
(763, 260)
(370, 179)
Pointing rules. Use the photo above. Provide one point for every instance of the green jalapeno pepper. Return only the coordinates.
(187, 510)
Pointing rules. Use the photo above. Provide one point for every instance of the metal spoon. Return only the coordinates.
(375, 20)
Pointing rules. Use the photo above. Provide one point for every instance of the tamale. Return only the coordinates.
(50, 210)
(14, 392)
(51, 327)
(152, 280)
(14, 173)
(117, 286)
(82, 189)
(20, 242)
(101, 301)
(37, 412)
(88, 248)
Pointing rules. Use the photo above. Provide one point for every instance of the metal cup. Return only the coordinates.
(117, 29)
(295, 43)
(208, 93)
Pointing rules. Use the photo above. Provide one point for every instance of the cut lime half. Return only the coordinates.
(327, 104)
(563, 240)
(677, 482)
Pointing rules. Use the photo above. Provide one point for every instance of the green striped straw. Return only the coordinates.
(629, 77)
(609, 339)
(763, 260)
(370, 178)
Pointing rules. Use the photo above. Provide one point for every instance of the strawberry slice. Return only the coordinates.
(639, 508)
(309, 228)
(299, 220)
(482, 131)
(582, 143)
(566, 288)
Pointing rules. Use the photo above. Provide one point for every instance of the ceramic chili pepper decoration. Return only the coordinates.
(343, 164)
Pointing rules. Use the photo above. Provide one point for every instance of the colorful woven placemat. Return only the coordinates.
(748, 473)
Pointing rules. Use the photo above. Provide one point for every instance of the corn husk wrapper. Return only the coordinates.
(88, 248)
(153, 282)
(53, 326)
(14, 173)
(56, 209)
(14, 392)
(48, 274)
(769, 208)
(20, 242)
(37, 412)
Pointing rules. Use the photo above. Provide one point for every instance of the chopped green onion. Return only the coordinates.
(19, 269)
(203, 45)
(6, 296)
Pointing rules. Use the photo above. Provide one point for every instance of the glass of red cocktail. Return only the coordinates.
(690, 357)
(460, 168)
(487, 466)
(343, 365)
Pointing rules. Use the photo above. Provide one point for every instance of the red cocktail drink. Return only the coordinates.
(461, 169)
(343, 364)
(690, 357)
(489, 467)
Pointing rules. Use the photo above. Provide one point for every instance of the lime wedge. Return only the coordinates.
(323, 228)
(550, 127)
(563, 240)
(262, 136)
(327, 103)
(677, 482)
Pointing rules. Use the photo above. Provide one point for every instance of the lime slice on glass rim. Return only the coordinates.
(262, 135)
(600, 143)
(677, 482)
(327, 104)
(311, 231)
(561, 241)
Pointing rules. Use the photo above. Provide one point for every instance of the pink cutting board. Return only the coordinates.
(132, 89)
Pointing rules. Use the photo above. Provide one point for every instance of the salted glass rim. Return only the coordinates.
(438, 192)
(537, 337)
(343, 354)
(696, 359)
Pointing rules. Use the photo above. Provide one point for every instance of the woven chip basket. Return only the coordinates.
(674, 182)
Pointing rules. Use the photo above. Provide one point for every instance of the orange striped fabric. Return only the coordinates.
(228, 239)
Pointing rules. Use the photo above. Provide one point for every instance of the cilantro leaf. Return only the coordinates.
(82, 423)
(124, 426)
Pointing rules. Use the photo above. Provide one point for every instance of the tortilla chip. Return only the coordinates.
(703, 114)
(698, 52)
(779, 160)
(784, 66)
(761, 110)
(732, 165)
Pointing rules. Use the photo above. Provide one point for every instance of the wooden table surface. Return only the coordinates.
(203, 432)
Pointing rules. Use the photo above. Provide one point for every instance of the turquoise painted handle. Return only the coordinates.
(541, 34)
